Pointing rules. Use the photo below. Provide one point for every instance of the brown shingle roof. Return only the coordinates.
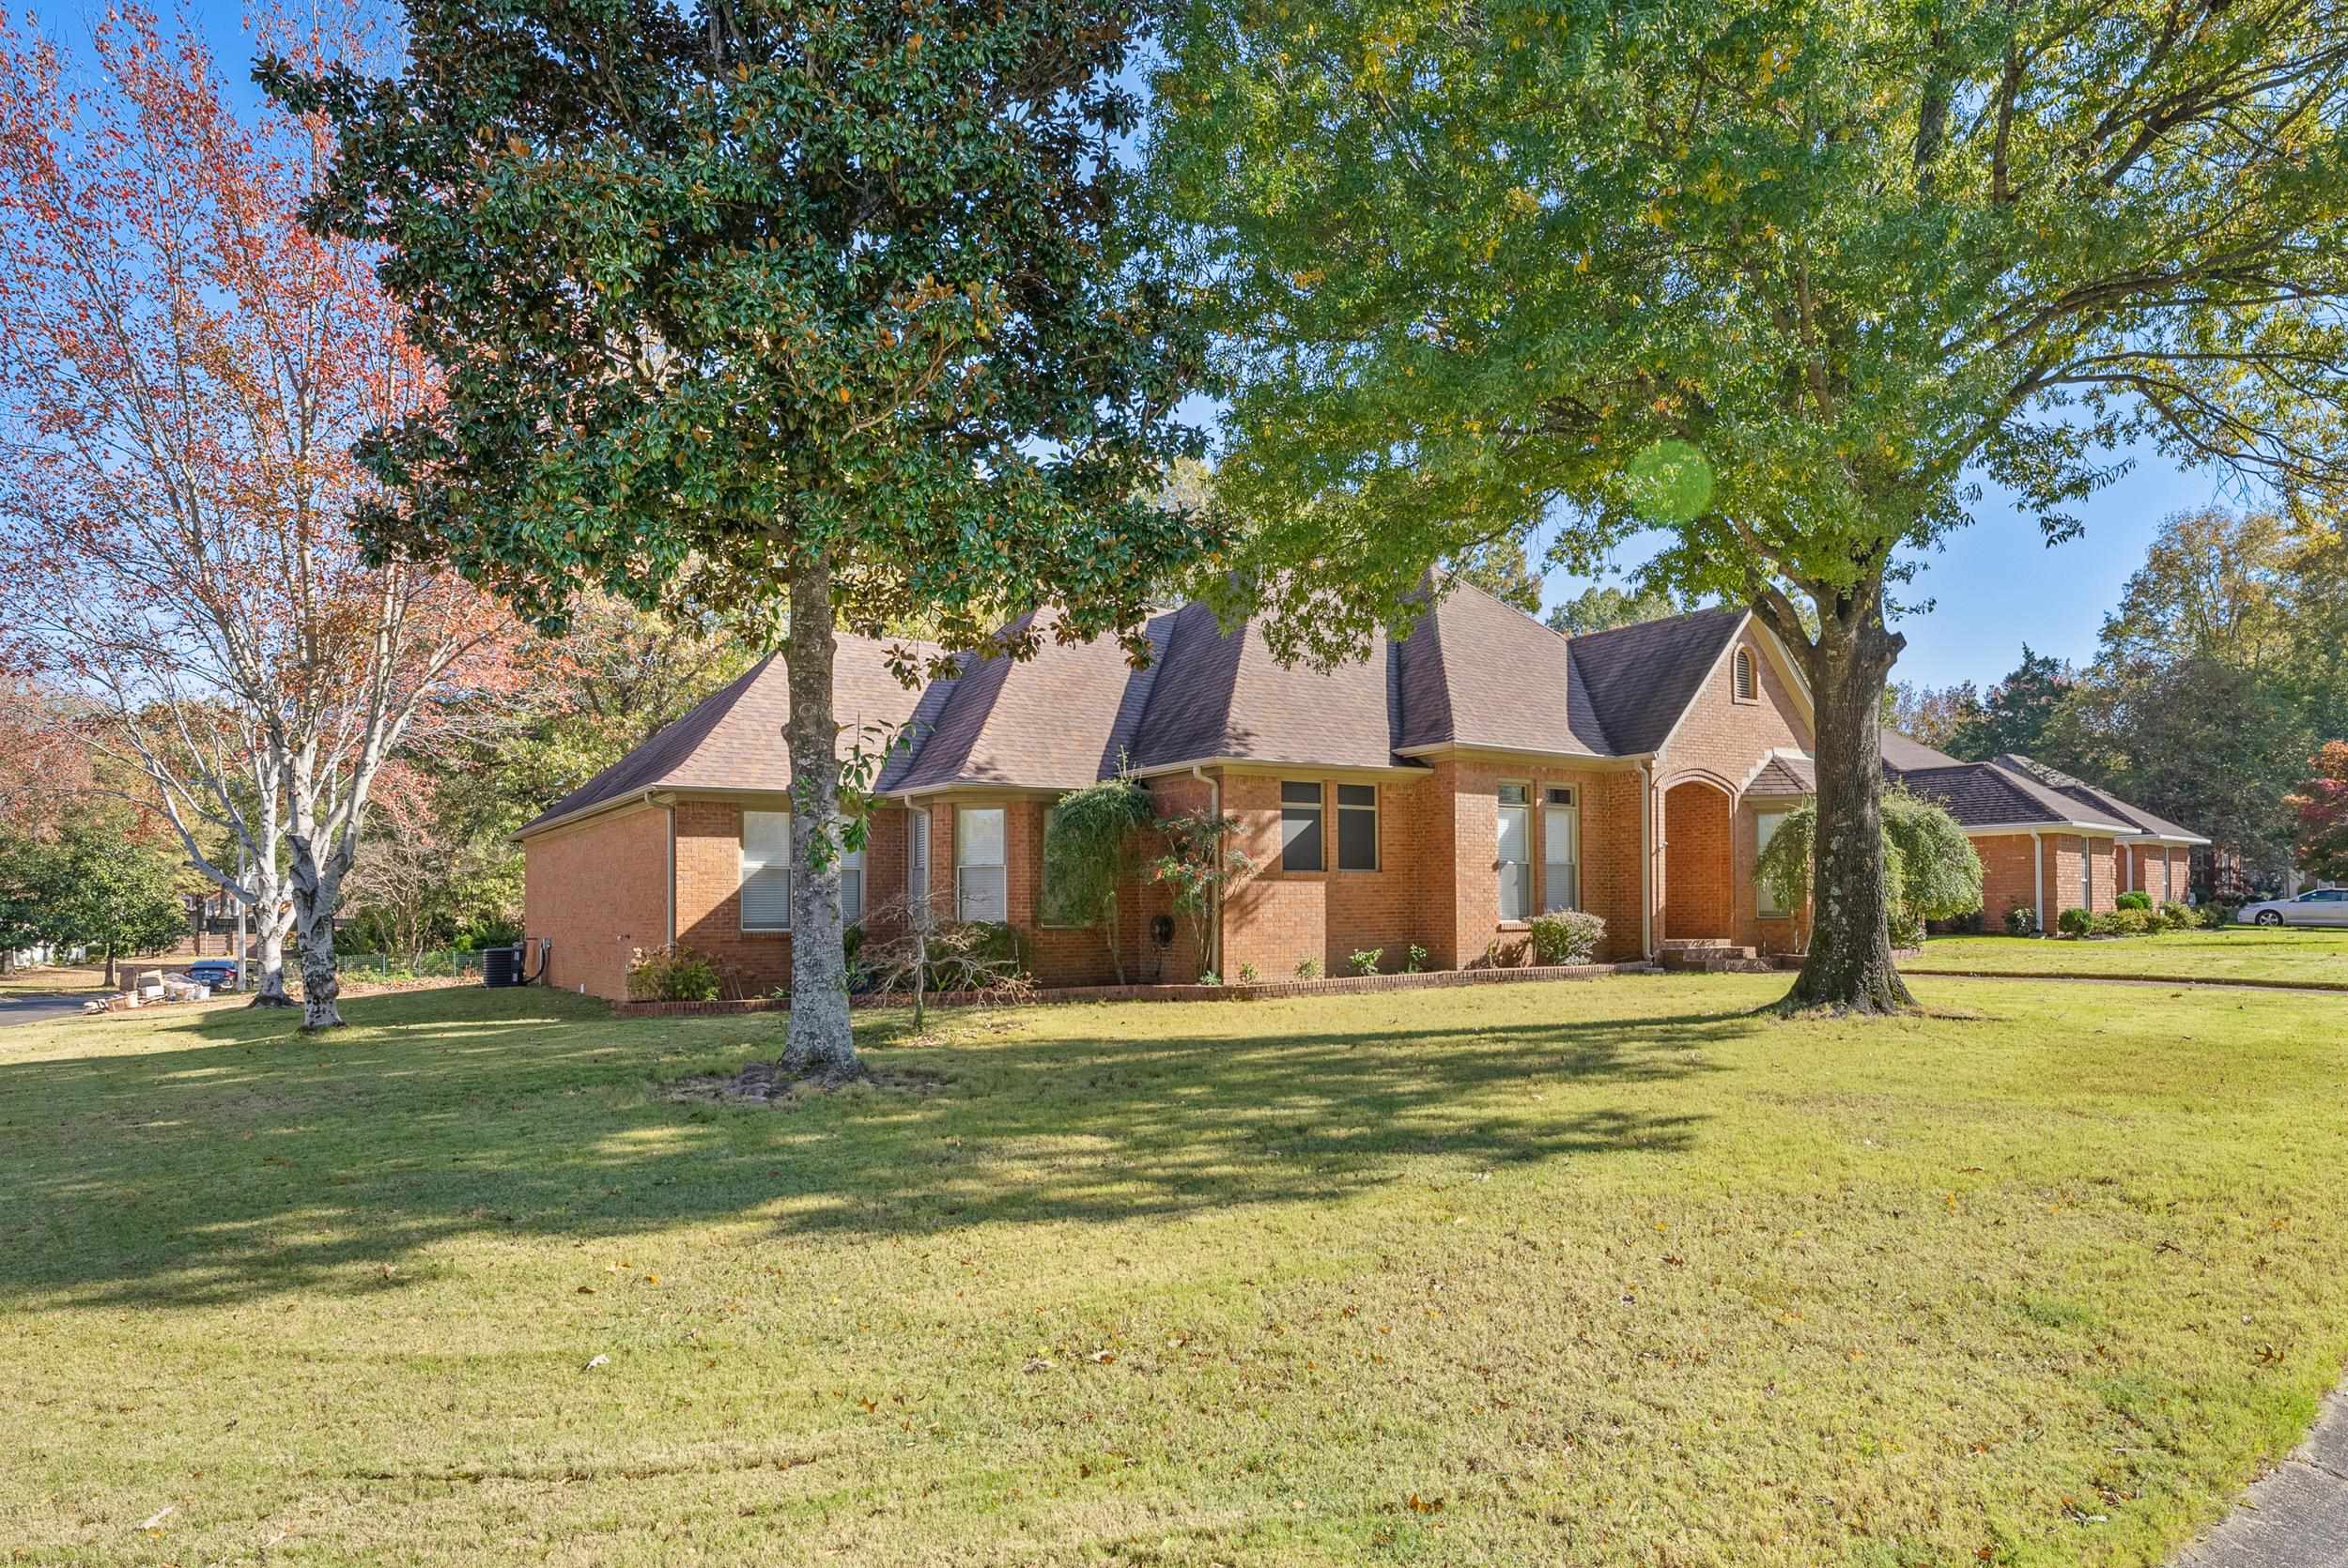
(1057, 721)
(1641, 678)
(732, 740)
(1474, 671)
(1785, 776)
(1478, 671)
(2110, 806)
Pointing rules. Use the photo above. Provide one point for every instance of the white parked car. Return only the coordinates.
(2320, 906)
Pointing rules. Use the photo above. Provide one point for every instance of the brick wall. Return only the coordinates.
(2007, 878)
(598, 891)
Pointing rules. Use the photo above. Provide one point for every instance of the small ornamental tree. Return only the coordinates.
(96, 887)
(817, 313)
(1931, 869)
(2321, 805)
(1199, 867)
(1090, 848)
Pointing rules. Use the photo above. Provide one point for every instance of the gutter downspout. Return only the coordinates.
(2038, 880)
(1213, 957)
(1646, 861)
(671, 811)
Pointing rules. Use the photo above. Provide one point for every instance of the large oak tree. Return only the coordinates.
(821, 308)
(1793, 277)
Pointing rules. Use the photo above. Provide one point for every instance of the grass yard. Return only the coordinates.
(1607, 1272)
(2235, 953)
(54, 979)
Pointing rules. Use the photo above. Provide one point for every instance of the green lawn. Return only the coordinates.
(2235, 953)
(1561, 1273)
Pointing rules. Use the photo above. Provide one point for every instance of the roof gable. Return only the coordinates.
(732, 738)
(1641, 678)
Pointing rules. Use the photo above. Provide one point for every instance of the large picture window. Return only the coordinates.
(1516, 852)
(1561, 850)
(1300, 827)
(1358, 827)
(1765, 826)
(978, 863)
(765, 870)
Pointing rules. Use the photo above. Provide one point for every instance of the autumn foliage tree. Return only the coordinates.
(2321, 805)
(819, 313)
(183, 369)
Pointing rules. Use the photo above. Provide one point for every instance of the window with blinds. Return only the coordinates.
(765, 870)
(978, 879)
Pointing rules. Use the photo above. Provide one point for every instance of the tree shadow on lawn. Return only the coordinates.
(268, 1162)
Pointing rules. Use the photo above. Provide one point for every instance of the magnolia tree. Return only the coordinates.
(183, 369)
(818, 313)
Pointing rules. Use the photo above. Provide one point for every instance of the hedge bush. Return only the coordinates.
(2125, 922)
(672, 976)
(1568, 936)
(2177, 918)
(2135, 900)
(2074, 922)
(2021, 920)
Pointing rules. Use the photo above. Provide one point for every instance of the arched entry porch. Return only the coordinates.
(1699, 862)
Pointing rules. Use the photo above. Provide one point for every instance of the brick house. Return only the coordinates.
(2047, 841)
(1481, 770)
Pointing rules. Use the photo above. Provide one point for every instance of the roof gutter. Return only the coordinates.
(1646, 860)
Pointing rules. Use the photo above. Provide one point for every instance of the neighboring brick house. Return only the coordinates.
(2047, 841)
(1479, 770)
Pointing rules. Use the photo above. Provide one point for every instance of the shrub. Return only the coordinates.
(2021, 920)
(1308, 969)
(2074, 922)
(1249, 974)
(1569, 936)
(2176, 917)
(2123, 922)
(2217, 917)
(1930, 869)
(1365, 960)
(1418, 960)
(1210, 977)
(2135, 900)
(671, 974)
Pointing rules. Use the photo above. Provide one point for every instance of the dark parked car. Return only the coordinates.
(216, 972)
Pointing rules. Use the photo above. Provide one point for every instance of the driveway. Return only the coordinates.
(37, 1009)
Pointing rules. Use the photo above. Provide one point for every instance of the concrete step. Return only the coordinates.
(1710, 955)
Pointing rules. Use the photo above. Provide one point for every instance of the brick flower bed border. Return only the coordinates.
(1340, 985)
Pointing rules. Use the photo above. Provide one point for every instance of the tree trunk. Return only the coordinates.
(820, 1043)
(109, 966)
(1849, 965)
(313, 899)
(269, 935)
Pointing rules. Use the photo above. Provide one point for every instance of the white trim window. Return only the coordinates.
(851, 874)
(1765, 826)
(978, 863)
(1299, 828)
(766, 896)
(1561, 850)
(918, 862)
(1358, 827)
(1514, 860)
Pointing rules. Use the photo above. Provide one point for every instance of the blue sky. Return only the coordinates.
(1996, 584)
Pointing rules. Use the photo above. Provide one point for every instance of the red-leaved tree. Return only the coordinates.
(2321, 805)
(183, 368)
